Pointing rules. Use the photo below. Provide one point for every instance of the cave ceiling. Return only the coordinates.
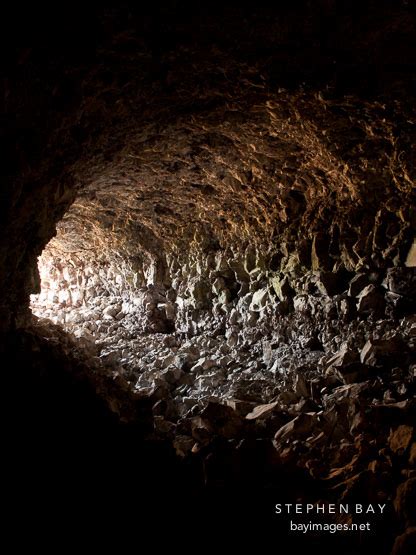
(174, 128)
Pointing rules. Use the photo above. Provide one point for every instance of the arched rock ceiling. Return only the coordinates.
(248, 166)
(233, 126)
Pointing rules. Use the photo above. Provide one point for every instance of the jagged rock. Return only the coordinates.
(301, 386)
(259, 300)
(383, 351)
(201, 429)
(299, 427)
(262, 411)
(185, 361)
(401, 281)
(111, 359)
(304, 405)
(357, 284)
(240, 407)
(287, 397)
(200, 292)
(222, 419)
(300, 303)
(329, 283)
(282, 288)
(313, 343)
(168, 360)
(164, 427)
(183, 445)
(283, 308)
(370, 299)
(203, 364)
(343, 357)
(172, 374)
(400, 439)
(111, 311)
(394, 413)
(345, 394)
(356, 486)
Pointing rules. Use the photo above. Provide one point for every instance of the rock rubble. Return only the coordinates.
(329, 386)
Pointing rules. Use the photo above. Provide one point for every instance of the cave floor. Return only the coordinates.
(264, 377)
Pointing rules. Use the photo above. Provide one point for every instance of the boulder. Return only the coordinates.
(400, 439)
(357, 284)
(239, 406)
(378, 352)
(183, 445)
(111, 311)
(329, 283)
(200, 293)
(201, 429)
(401, 281)
(222, 419)
(299, 427)
(172, 374)
(259, 300)
(371, 299)
(262, 411)
(343, 357)
(353, 373)
(282, 288)
(301, 386)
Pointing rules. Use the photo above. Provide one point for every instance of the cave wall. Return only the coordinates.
(177, 141)
(237, 215)
(245, 178)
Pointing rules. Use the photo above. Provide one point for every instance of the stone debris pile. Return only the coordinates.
(312, 374)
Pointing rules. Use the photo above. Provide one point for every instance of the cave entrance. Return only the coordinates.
(94, 290)
(73, 282)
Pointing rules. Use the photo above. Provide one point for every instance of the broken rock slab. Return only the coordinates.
(299, 427)
(401, 281)
(401, 438)
(262, 411)
(378, 352)
(371, 299)
(345, 355)
(357, 284)
(222, 419)
(352, 373)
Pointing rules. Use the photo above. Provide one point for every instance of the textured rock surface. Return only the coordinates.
(223, 207)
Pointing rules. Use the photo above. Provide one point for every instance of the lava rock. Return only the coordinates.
(262, 411)
(400, 439)
(371, 299)
(299, 427)
(383, 351)
(357, 284)
(401, 281)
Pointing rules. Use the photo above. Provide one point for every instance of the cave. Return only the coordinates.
(208, 272)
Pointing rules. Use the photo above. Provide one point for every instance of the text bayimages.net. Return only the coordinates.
(299, 509)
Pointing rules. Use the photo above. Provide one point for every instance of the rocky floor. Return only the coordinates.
(327, 390)
(255, 365)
